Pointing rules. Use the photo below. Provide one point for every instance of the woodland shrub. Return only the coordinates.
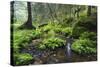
(84, 24)
(89, 35)
(37, 33)
(22, 58)
(84, 46)
(67, 31)
(77, 31)
(21, 39)
(51, 43)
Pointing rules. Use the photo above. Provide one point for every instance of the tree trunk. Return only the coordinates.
(50, 12)
(89, 11)
(12, 12)
(28, 23)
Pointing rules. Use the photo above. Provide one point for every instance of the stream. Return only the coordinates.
(59, 55)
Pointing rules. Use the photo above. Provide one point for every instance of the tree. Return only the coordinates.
(50, 10)
(12, 12)
(28, 23)
(88, 10)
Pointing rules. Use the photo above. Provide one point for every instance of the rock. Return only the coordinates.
(54, 54)
(36, 41)
(38, 61)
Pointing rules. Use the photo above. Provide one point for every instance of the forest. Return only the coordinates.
(50, 33)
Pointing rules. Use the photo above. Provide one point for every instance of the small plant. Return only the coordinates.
(51, 26)
(77, 31)
(21, 38)
(84, 46)
(87, 22)
(89, 35)
(52, 43)
(47, 28)
(42, 46)
(37, 33)
(67, 31)
(22, 59)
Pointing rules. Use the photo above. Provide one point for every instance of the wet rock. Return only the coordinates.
(54, 55)
(38, 61)
(36, 41)
(56, 60)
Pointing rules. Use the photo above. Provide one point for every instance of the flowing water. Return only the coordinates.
(68, 51)
(59, 55)
(68, 47)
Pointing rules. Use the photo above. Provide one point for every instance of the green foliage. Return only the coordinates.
(84, 24)
(37, 33)
(51, 43)
(42, 46)
(21, 38)
(56, 28)
(84, 46)
(51, 33)
(57, 24)
(67, 31)
(47, 27)
(83, 15)
(89, 23)
(68, 21)
(22, 59)
(51, 26)
(77, 31)
(89, 35)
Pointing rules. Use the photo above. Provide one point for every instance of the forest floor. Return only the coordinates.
(24, 38)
